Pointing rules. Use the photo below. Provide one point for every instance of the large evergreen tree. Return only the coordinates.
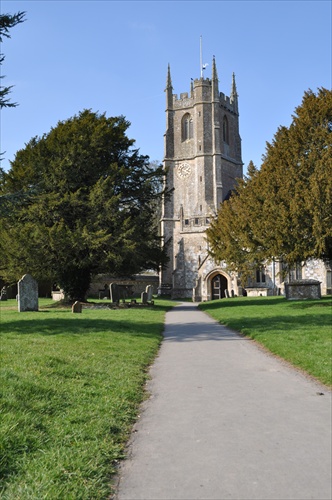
(78, 201)
(284, 209)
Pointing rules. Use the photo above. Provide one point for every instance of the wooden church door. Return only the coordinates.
(219, 285)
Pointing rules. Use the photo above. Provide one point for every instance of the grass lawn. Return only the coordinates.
(298, 331)
(71, 385)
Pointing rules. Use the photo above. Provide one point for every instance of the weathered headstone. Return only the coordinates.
(104, 293)
(144, 298)
(227, 294)
(149, 291)
(27, 294)
(76, 307)
(3, 295)
(114, 292)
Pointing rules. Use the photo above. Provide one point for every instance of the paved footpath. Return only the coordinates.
(226, 420)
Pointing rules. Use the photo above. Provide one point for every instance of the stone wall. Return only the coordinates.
(316, 269)
(136, 285)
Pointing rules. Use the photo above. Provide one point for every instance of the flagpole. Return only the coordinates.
(201, 59)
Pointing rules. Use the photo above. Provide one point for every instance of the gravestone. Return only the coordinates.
(114, 292)
(227, 294)
(104, 293)
(3, 295)
(27, 297)
(149, 291)
(144, 298)
(76, 307)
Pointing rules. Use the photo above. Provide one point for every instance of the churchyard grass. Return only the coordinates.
(71, 387)
(298, 331)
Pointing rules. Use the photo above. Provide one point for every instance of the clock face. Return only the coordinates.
(183, 170)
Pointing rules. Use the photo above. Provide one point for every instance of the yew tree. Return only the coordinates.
(78, 201)
(7, 22)
(283, 210)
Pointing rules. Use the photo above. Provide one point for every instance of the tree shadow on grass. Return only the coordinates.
(68, 324)
(241, 302)
(61, 321)
(265, 302)
(190, 331)
(73, 326)
(307, 304)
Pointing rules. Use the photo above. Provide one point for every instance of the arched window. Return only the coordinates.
(225, 130)
(187, 127)
(260, 276)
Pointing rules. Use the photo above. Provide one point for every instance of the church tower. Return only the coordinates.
(202, 162)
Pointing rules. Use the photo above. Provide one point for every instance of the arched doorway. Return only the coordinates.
(218, 287)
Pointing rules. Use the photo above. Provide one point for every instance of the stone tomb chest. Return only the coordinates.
(302, 290)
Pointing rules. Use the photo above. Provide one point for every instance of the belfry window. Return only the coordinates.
(225, 130)
(187, 127)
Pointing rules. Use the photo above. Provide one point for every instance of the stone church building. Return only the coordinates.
(202, 162)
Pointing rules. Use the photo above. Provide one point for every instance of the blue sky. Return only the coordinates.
(112, 57)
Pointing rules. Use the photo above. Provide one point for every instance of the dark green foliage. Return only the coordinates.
(79, 201)
(7, 22)
(284, 209)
